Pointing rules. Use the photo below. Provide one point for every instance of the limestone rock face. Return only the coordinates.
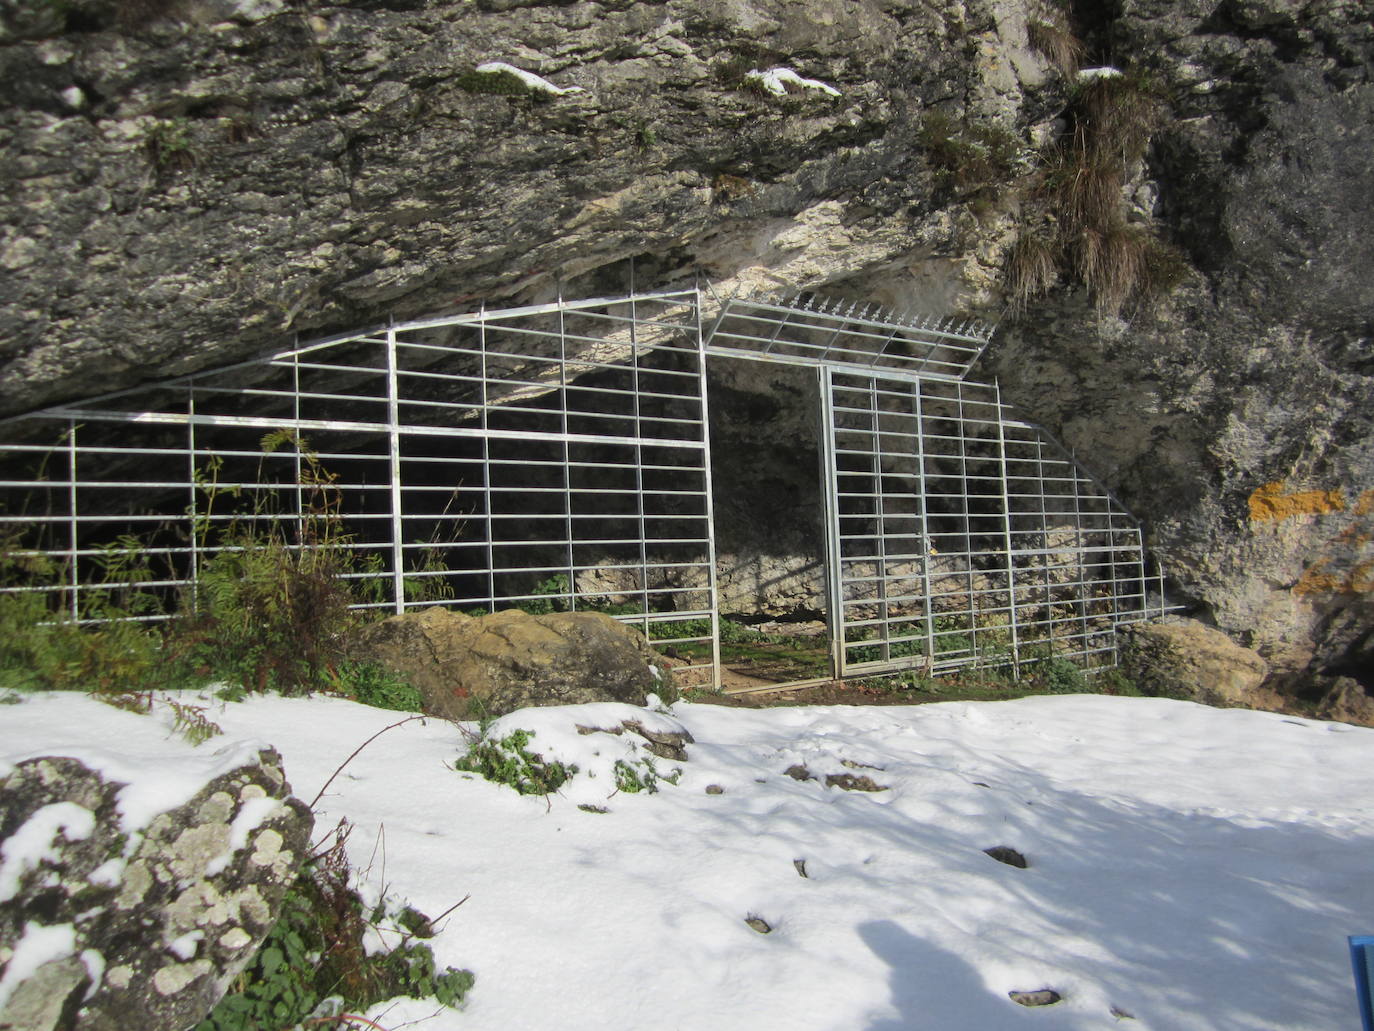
(511, 660)
(1250, 383)
(137, 927)
(1182, 658)
(209, 177)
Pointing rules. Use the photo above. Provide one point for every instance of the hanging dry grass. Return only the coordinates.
(1115, 115)
(1112, 264)
(1085, 187)
(1111, 116)
(1032, 267)
(1057, 43)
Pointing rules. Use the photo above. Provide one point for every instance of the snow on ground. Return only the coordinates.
(1192, 867)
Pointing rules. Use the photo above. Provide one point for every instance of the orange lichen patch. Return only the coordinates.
(1270, 504)
(1364, 505)
(1317, 580)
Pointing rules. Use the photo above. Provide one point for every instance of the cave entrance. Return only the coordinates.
(557, 457)
(769, 525)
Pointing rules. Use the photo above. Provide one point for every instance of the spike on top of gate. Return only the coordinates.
(810, 329)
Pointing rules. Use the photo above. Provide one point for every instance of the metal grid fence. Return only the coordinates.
(548, 457)
(557, 457)
(963, 536)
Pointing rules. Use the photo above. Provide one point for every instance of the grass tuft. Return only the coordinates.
(1032, 268)
(1054, 39)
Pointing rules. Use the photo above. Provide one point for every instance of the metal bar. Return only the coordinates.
(879, 521)
(487, 528)
(927, 549)
(393, 411)
(72, 522)
(567, 454)
(830, 485)
(1006, 525)
(193, 537)
(708, 496)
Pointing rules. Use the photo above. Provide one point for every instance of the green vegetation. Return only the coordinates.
(313, 965)
(970, 159)
(169, 145)
(641, 776)
(269, 608)
(509, 761)
(1076, 226)
(498, 83)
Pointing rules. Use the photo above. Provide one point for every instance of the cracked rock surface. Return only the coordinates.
(137, 927)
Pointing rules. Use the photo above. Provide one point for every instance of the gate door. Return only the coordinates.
(918, 535)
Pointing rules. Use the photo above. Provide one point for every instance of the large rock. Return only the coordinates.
(494, 664)
(1182, 658)
(1347, 702)
(113, 925)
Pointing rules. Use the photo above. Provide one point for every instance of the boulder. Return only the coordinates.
(108, 922)
(497, 663)
(1182, 658)
(1347, 702)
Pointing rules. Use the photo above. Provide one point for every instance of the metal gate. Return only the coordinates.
(957, 535)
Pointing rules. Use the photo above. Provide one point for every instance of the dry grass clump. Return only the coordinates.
(1053, 38)
(1111, 262)
(1032, 267)
(1083, 228)
(1115, 115)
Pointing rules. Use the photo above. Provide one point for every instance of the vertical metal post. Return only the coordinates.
(567, 450)
(927, 548)
(1078, 549)
(1044, 539)
(1006, 528)
(640, 505)
(833, 551)
(879, 517)
(296, 413)
(486, 465)
(393, 416)
(711, 578)
(970, 593)
(73, 529)
(193, 570)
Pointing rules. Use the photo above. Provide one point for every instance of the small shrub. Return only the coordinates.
(970, 157)
(550, 595)
(169, 145)
(641, 776)
(509, 761)
(192, 723)
(268, 610)
(1115, 682)
(314, 960)
(498, 83)
(377, 686)
(1059, 676)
